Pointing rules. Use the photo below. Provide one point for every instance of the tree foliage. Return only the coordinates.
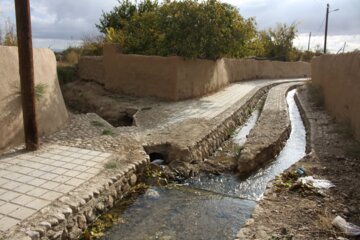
(278, 42)
(188, 28)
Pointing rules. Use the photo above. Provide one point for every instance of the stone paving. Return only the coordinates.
(206, 107)
(31, 181)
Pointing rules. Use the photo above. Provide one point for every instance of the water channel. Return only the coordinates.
(208, 206)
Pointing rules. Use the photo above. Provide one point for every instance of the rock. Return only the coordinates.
(152, 194)
(75, 233)
(34, 235)
(53, 221)
(133, 179)
(59, 216)
(45, 224)
(249, 222)
(90, 216)
(67, 211)
(81, 220)
(243, 234)
(261, 234)
(111, 201)
(100, 206)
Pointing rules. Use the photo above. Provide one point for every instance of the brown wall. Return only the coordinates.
(92, 68)
(139, 75)
(248, 69)
(51, 110)
(173, 78)
(339, 78)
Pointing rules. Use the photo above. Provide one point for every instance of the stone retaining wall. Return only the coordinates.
(339, 78)
(69, 216)
(51, 111)
(219, 130)
(174, 78)
(268, 136)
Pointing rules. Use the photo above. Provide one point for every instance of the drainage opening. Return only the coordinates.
(120, 119)
(156, 156)
(156, 152)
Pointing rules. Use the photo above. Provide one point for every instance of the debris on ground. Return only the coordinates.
(347, 228)
(316, 183)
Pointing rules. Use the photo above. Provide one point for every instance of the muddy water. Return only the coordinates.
(207, 207)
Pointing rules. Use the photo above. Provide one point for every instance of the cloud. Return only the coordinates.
(72, 19)
(334, 42)
(65, 19)
(309, 15)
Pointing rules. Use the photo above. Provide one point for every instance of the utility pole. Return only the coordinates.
(26, 70)
(309, 42)
(326, 26)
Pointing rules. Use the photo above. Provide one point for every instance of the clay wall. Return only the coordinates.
(174, 78)
(249, 69)
(51, 111)
(339, 78)
(92, 68)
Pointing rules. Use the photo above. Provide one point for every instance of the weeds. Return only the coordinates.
(238, 149)
(111, 164)
(67, 73)
(230, 131)
(97, 124)
(107, 132)
(40, 91)
(316, 94)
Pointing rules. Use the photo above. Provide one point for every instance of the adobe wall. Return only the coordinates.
(51, 110)
(92, 68)
(196, 78)
(139, 75)
(339, 78)
(174, 78)
(249, 69)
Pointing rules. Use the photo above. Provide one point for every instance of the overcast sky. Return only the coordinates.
(58, 23)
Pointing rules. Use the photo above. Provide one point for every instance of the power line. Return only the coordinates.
(321, 25)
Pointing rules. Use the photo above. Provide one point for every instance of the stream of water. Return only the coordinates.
(208, 206)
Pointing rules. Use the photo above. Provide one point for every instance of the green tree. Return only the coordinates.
(188, 28)
(278, 42)
(122, 14)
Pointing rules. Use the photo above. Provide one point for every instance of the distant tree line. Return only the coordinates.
(8, 34)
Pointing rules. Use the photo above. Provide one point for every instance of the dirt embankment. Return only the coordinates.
(290, 211)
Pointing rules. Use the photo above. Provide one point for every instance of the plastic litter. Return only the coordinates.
(300, 171)
(347, 228)
(317, 183)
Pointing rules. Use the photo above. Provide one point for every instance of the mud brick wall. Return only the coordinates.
(174, 78)
(51, 111)
(339, 78)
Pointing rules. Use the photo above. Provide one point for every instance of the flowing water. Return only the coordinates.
(209, 206)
